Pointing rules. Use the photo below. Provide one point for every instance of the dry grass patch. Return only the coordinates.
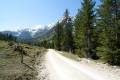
(11, 67)
(70, 55)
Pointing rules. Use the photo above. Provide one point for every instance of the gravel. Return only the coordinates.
(112, 71)
(41, 68)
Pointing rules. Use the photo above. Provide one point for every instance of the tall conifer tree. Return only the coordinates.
(108, 48)
(84, 24)
(68, 32)
(58, 37)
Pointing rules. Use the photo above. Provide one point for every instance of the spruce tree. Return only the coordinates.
(68, 32)
(84, 24)
(115, 18)
(79, 37)
(58, 36)
(115, 11)
(108, 48)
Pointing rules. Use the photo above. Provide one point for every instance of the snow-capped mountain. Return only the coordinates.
(29, 33)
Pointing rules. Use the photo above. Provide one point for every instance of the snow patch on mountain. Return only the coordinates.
(28, 33)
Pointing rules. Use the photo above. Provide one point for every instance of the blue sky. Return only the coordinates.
(19, 14)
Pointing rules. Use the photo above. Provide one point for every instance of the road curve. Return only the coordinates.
(62, 68)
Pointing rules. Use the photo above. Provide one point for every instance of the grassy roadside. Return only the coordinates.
(11, 67)
(70, 55)
(77, 58)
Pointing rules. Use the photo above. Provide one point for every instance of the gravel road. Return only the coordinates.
(62, 68)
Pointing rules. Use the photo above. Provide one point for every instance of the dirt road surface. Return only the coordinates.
(62, 68)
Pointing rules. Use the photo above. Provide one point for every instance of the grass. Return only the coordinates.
(70, 56)
(11, 67)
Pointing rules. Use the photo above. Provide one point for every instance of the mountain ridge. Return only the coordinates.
(29, 33)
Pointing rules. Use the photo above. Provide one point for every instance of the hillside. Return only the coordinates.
(11, 67)
(46, 36)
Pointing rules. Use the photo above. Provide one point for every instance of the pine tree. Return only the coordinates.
(79, 37)
(108, 49)
(103, 48)
(84, 24)
(115, 18)
(67, 24)
(58, 37)
(115, 11)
